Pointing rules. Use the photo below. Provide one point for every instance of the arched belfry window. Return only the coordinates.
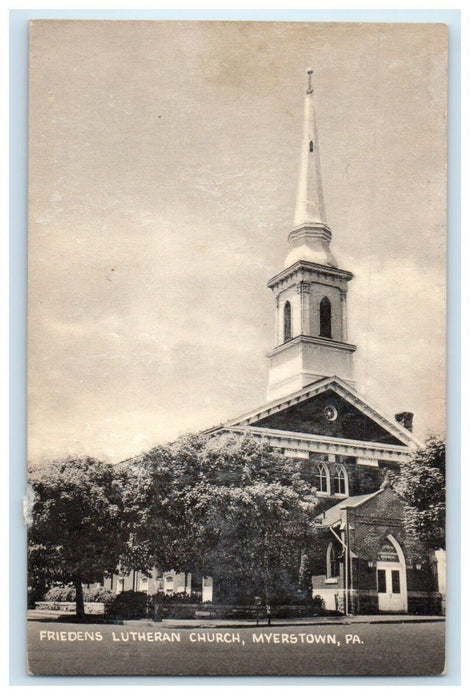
(325, 318)
(287, 322)
(341, 482)
(311, 146)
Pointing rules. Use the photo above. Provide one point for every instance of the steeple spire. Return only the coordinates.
(310, 238)
(310, 205)
(311, 340)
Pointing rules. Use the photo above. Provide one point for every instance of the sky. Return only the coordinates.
(163, 166)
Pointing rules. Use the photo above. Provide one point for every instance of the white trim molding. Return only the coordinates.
(342, 389)
(324, 444)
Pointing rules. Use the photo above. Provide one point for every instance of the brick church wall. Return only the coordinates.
(363, 479)
(371, 523)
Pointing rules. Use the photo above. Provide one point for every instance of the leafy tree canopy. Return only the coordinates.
(232, 507)
(229, 506)
(82, 515)
(422, 484)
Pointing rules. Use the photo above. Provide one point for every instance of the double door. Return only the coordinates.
(391, 588)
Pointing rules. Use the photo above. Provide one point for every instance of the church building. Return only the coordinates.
(364, 562)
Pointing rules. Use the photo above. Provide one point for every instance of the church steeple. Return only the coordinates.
(310, 238)
(310, 207)
(311, 291)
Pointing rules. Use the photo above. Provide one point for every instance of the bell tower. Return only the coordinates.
(311, 291)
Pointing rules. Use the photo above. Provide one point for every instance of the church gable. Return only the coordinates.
(376, 518)
(386, 504)
(331, 415)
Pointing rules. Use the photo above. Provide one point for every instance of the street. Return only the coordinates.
(391, 649)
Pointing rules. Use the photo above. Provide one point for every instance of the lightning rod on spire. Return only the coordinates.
(310, 88)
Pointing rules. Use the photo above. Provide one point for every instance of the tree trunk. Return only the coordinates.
(80, 607)
(303, 571)
(265, 576)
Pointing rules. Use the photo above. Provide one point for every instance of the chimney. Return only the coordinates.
(405, 419)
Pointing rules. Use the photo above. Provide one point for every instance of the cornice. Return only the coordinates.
(313, 340)
(345, 391)
(304, 266)
(324, 443)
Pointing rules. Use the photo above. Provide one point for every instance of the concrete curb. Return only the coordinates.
(241, 624)
(251, 624)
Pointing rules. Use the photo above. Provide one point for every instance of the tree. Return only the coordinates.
(232, 507)
(229, 506)
(422, 484)
(82, 516)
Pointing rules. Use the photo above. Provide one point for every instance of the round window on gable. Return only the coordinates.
(330, 413)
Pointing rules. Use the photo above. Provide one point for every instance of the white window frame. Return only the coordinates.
(341, 471)
(329, 574)
(322, 468)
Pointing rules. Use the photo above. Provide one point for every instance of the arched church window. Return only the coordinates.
(311, 147)
(322, 478)
(287, 322)
(341, 481)
(325, 318)
(333, 555)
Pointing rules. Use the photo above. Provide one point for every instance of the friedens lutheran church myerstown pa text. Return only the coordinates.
(365, 563)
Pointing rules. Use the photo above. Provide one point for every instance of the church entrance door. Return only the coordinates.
(389, 589)
(391, 578)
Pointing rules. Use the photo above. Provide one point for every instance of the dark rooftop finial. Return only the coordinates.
(309, 73)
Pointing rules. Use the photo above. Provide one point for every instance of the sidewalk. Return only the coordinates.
(50, 615)
(295, 622)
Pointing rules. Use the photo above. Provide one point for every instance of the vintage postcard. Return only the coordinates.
(236, 348)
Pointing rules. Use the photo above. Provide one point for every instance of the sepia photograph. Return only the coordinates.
(236, 348)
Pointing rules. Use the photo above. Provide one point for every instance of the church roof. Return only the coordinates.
(332, 516)
(340, 388)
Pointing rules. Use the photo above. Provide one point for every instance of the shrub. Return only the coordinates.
(99, 595)
(318, 603)
(128, 605)
(61, 594)
(160, 597)
(65, 593)
(35, 594)
(290, 598)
